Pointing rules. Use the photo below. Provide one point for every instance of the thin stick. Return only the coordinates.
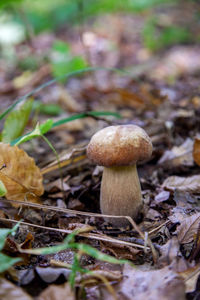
(70, 211)
(63, 163)
(86, 235)
(160, 226)
(145, 238)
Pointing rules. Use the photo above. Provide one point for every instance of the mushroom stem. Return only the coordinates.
(120, 193)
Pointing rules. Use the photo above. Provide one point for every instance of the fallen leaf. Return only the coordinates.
(186, 184)
(57, 292)
(23, 276)
(21, 177)
(121, 251)
(153, 214)
(169, 252)
(196, 151)
(184, 199)
(125, 97)
(191, 276)
(162, 196)
(11, 248)
(52, 274)
(9, 291)
(97, 274)
(178, 156)
(188, 228)
(152, 285)
(178, 214)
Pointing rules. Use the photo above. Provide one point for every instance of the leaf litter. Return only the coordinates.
(21, 177)
(170, 184)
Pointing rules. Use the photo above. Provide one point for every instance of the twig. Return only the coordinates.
(85, 235)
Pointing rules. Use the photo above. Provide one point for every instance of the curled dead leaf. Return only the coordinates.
(21, 177)
(186, 184)
(178, 156)
(188, 228)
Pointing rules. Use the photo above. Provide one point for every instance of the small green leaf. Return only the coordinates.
(3, 189)
(16, 121)
(38, 131)
(6, 262)
(46, 126)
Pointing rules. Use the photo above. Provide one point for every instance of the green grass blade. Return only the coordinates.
(84, 115)
(6, 262)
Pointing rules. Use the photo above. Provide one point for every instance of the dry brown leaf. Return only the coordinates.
(21, 177)
(120, 251)
(128, 98)
(98, 274)
(188, 228)
(9, 291)
(152, 285)
(196, 151)
(178, 214)
(57, 292)
(169, 252)
(191, 276)
(186, 184)
(181, 155)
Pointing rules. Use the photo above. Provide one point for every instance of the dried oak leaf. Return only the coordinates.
(159, 284)
(188, 228)
(21, 177)
(178, 156)
(186, 184)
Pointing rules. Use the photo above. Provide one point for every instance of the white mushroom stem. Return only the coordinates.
(120, 193)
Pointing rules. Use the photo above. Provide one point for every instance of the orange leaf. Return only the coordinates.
(196, 151)
(21, 177)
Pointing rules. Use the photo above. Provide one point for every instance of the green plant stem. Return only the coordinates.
(58, 160)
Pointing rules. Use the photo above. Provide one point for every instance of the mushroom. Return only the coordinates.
(118, 148)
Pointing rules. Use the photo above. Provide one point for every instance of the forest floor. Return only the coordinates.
(161, 93)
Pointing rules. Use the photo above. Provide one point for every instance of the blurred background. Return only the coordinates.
(72, 34)
(155, 41)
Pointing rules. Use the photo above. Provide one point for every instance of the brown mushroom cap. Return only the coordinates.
(121, 145)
